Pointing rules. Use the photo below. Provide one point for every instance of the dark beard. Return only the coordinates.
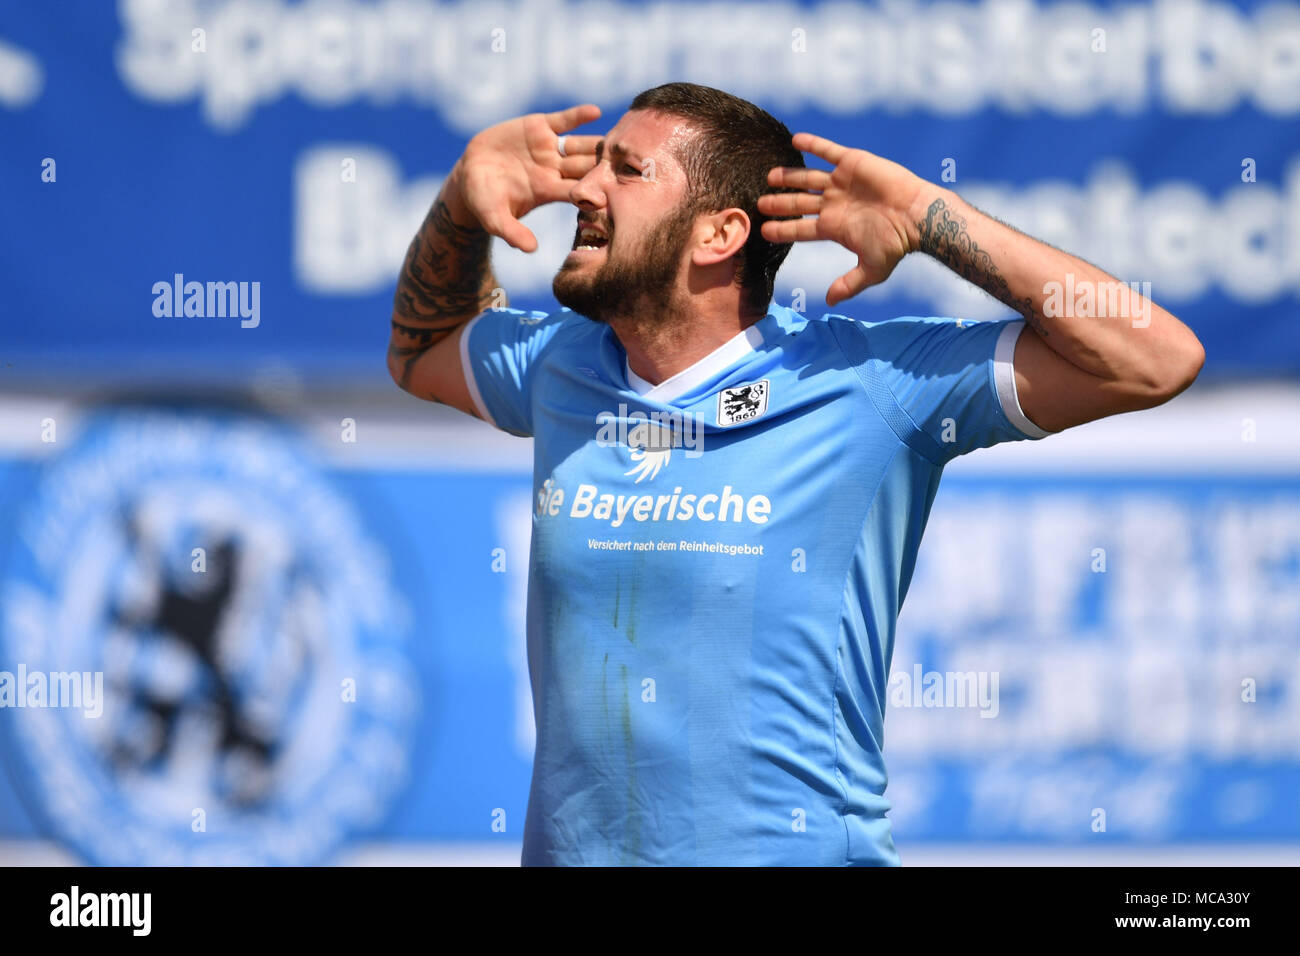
(624, 283)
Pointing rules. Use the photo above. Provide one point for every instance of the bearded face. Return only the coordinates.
(608, 274)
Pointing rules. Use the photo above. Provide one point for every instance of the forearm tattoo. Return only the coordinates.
(446, 280)
(944, 236)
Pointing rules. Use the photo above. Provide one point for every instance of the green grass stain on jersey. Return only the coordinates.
(632, 825)
(632, 593)
(618, 591)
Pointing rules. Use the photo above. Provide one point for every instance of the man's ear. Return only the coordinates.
(719, 236)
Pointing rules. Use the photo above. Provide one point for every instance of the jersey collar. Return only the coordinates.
(737, 348)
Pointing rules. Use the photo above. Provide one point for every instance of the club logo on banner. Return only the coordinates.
(257, 696)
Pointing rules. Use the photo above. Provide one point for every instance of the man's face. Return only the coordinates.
(632, 227)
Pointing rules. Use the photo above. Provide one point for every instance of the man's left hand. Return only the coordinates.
(865, 204)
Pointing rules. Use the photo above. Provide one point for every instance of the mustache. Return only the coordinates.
(589, 219)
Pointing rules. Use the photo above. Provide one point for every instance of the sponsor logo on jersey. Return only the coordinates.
(591, 501)
(652, 447)
(650, 437)
(744, 403)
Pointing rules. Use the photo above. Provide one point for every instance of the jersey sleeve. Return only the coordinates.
(499, 353)
(947, 386)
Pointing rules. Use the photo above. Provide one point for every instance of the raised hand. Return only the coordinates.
(863, 204)
(512, 168)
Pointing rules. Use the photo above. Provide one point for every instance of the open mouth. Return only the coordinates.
(588, 237)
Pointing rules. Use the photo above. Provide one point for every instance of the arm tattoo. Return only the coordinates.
(944, 236)
(446, 280)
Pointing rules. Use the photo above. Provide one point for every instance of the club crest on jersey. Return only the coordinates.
(744, 403)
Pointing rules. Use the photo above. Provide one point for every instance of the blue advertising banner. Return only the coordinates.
(280, 154)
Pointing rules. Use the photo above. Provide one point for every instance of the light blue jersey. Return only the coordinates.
(718, 563)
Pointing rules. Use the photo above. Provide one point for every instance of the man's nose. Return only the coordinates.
(589, 192)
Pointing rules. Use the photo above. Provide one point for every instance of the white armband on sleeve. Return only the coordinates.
(467, 369)
(1004, 378)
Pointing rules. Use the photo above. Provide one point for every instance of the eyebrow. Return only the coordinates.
(615, 151)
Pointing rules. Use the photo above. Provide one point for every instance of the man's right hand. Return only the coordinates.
(512, 168)
(506, 171)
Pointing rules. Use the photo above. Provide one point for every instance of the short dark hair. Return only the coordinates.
(726, 166)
